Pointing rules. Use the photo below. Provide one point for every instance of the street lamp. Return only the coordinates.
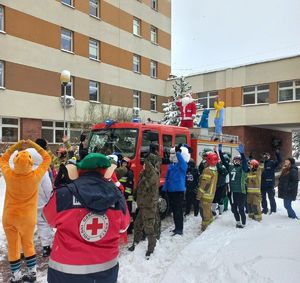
(65, 78)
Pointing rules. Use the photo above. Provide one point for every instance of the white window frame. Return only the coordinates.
(97, 6)
(2, 68)
(9, 126)
(137, 97)
(154, 4)
(209, 95)
(136, 61)
(256, 92)
(136, 27)
(98, 91)
(70, 84)
(2, 27)
(294, 87)
(153, 69)
(71, 5)
(153, 98)
(153, 34)
(96, 46)
(69, 37)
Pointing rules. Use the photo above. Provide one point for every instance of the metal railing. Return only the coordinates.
(204, 134)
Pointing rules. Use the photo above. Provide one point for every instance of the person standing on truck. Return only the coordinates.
(238, 173)
(175, 184)
(207, 189)
(268, 181)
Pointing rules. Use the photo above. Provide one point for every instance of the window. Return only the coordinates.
(153, 34)
(167, 145)
(154, 4)
(67, 2)
(180, 139)
(256, 94)
(1, 18)
(1, 74)
(153, 103)
(148, 138)
(69, 88)
(9, 129)
(94, 49)
(207, 98)
(289, 91)
(136, 63)
(53, 131)
(136, 29)
(137, 99)
(153, 69)
(94, 91)
(94, 8)
(66, 40)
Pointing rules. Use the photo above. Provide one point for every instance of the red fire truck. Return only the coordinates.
(132, 140)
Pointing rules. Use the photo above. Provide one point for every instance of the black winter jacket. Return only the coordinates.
(268, 175)
(288, 185)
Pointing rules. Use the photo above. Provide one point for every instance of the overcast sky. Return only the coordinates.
(211, 34)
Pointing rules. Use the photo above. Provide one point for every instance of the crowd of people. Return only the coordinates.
(92, 202)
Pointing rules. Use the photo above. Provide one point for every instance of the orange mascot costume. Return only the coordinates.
(20, 206)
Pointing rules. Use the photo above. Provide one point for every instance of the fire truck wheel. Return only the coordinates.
(163, 205)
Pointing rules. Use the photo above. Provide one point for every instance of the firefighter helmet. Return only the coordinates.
(212, 159)
(254, 164)
(127, 160)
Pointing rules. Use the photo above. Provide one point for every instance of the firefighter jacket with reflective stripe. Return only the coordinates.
(208, 184)
(253, 180)
(127, 182)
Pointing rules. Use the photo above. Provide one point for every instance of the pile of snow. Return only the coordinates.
(261, 252)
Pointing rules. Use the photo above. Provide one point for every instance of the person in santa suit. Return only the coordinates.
(187, 108)
(89, 214)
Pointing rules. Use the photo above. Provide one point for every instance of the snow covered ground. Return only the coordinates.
(260, 253)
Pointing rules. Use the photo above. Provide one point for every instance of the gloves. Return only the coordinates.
(220, 147)
(241, 149)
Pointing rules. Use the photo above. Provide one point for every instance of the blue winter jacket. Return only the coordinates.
(175, 178)
(268, 175)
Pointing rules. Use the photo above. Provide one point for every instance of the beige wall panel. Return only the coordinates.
(49, 108)
(89, 26)
(91, 70)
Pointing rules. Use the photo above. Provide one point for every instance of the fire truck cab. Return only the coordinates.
(133, 140)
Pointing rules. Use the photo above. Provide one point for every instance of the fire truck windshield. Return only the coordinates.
(109, 140)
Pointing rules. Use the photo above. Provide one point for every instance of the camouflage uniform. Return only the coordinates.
(253, 183)
(147, 201)
(206, 193)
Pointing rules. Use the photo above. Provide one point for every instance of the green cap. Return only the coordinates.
(93, 161)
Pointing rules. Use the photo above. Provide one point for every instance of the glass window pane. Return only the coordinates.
(47, 134)
(66, 40)
(249, 89)
(285, 94)
(263, 87)
(10, 121)
(9, 134)
(202, 94)
(297, 83)
(74, 136)
(286, 84)
(93, 49)
(68, 2)
(1, 18)
(59, 124)
(75, 125)
(47, 124)
(211, 102)
(94, 8)
(58, 136)
(249, 99)
(297, 93)
(93, 91)
(263, 97)
(203, 102)
(1, 73)
(180, 139)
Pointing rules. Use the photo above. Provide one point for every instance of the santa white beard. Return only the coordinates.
(186, 100)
